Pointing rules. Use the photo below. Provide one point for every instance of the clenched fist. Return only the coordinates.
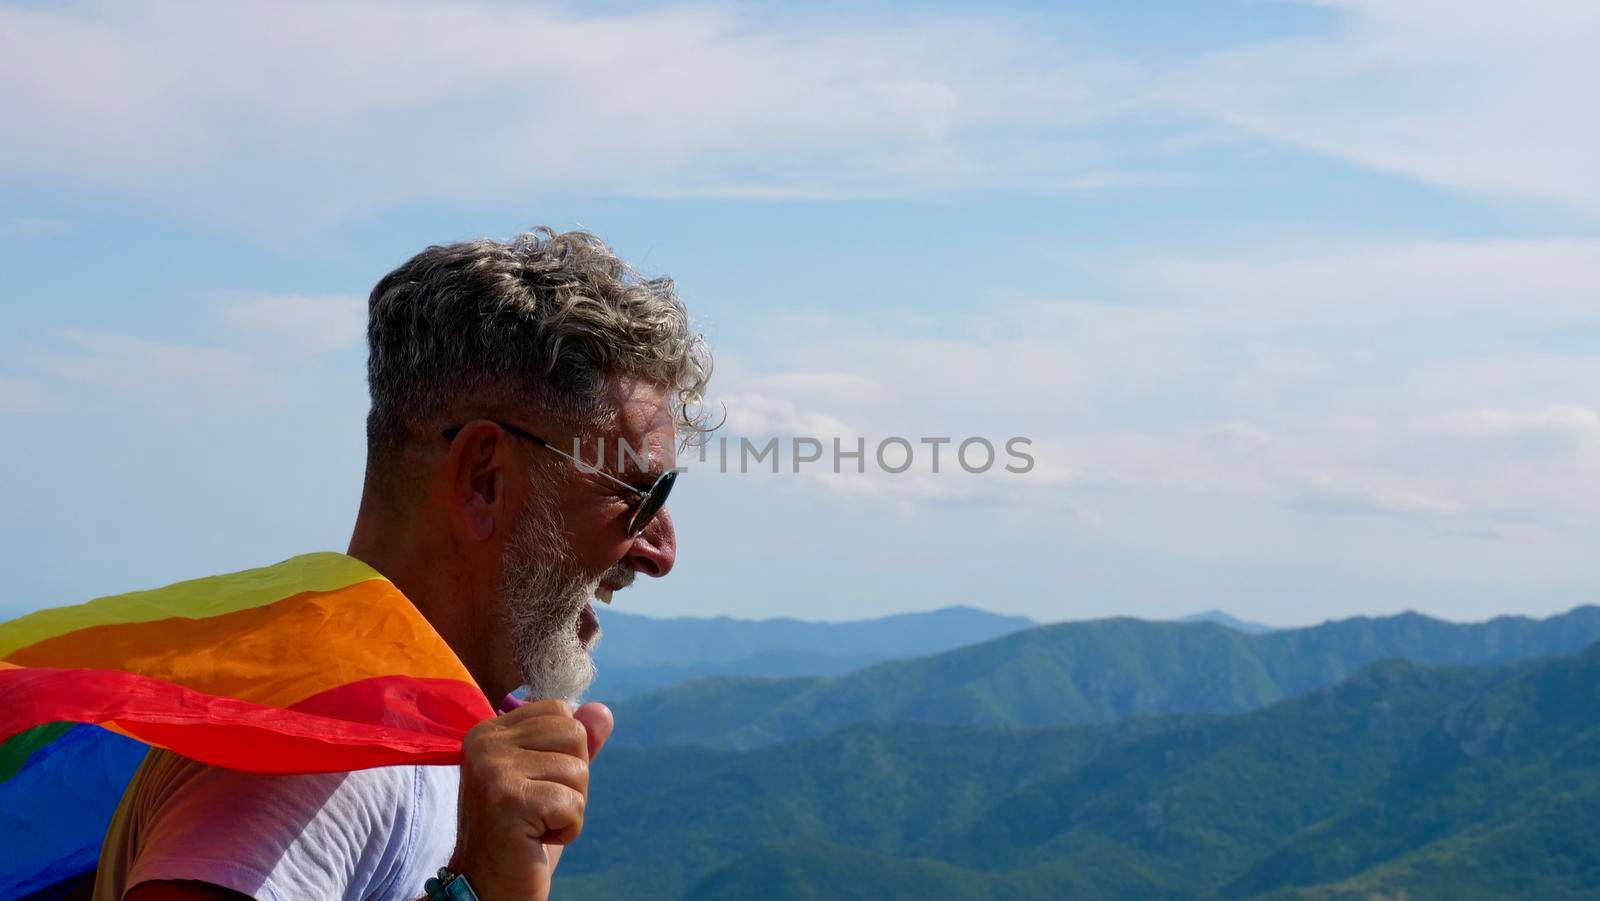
(524, 786)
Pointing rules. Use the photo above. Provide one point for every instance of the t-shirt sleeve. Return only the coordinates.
(280, 838)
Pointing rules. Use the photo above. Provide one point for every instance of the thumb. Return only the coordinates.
(597, 721)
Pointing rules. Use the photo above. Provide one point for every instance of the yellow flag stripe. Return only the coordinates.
(195, 599)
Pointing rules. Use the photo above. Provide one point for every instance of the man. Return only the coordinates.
(490, 364)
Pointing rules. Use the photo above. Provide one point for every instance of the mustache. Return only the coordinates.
(620, 575)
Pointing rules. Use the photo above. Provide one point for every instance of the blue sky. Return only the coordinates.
(1297, 301)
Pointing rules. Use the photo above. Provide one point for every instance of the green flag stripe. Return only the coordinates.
(15, 752)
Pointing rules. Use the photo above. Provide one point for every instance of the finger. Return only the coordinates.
(549, 766)
(559, 734)
(514, 708)
(597, 724)
(554, 812)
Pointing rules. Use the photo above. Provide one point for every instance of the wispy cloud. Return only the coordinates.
(1324, 380)
(319, 113)
(313, 323)
(83, 370)
(1369, 282)
(1554, 428)
(1325, 493)
(753, 413)
(315, 116)
(120, 359)
(1475, 95)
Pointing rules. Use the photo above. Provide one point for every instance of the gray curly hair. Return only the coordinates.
(554, 315)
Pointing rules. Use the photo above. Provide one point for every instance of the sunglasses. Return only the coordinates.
(649, 501)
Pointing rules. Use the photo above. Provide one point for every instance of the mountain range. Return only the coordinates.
(1396, 757)
(1082, 672)
(1222, 618)
(1388, 779)
(641, 653)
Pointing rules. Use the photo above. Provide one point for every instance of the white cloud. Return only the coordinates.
(1558, 428)
(315, 109)
(787, 405)
(756, 414)
(302, 112)
(835, 387)
(1329, 493)
(1477, 95)
(1369, 283)
(314, 323)
(85, 370)
(119, 359)
(1323, 380)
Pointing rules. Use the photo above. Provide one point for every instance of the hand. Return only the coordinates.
(524, 785)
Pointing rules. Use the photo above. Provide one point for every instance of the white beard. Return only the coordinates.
(545, 591)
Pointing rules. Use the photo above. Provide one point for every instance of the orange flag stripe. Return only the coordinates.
(193, 599)
(365, 630)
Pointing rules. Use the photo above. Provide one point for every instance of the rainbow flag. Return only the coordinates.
(316, 664)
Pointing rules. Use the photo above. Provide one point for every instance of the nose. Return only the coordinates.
(655, 549)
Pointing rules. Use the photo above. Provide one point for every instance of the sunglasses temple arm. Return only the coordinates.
(587, 468)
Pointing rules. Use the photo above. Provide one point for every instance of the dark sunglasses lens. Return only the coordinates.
(653, 501)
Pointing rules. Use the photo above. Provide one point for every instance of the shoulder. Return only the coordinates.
(246, 806)
(333, 835)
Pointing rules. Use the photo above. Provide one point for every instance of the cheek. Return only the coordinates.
(597, 535)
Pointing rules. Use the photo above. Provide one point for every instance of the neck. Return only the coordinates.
(451, 596)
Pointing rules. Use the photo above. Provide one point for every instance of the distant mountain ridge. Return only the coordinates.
(1223, 618)
(1084, 672)
(1401, 782)
(640, 653)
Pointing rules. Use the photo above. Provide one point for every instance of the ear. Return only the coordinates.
(476, 470)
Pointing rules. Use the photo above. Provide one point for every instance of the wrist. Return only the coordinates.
(450, 885)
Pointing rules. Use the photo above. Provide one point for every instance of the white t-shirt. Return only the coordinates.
(368, 835)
